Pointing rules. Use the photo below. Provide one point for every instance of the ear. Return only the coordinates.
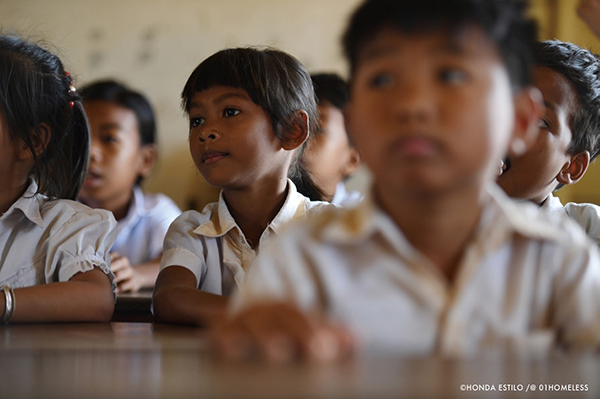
(528, 111)
(574, 170)
(298, 132)
(148, 157)
(40, 138)
(352, 163)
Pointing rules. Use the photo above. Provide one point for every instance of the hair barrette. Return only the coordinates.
(72, 89)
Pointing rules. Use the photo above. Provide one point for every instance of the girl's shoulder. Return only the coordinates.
(69, 211)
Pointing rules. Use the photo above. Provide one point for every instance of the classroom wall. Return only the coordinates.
(153, 45)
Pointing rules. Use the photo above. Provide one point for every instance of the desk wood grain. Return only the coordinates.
(143, 360)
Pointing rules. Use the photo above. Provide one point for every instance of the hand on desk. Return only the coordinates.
(589, 12)
(279, 332)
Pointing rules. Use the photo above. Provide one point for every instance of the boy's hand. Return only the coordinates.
(126, 277)
(589, 12)
(279, 332)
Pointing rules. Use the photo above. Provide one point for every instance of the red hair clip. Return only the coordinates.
(72, 89)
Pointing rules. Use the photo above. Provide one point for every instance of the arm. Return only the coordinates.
(133, 278)
(177, 299)
(85, 297)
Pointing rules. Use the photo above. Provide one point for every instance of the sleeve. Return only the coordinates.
(282, 272)
(182, 247)
(80, 244)
(588, 216)
(577, 299)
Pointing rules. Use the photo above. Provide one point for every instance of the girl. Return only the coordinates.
(44, 238)
(250, 114)
(123, 153)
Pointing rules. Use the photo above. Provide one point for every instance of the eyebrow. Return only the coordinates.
(220, 99)
(550, 106)
(450, 47)
(110, 125)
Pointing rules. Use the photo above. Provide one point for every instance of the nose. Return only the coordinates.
(95, 151)
(209, 133)
(414, 100)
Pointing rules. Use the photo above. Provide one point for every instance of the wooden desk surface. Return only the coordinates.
(142, 360)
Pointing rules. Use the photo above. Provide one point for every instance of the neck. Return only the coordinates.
(119, 206)
(254, 207)
(440, 226)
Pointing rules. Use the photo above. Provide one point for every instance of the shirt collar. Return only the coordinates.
(500, 217)
(29, 204)
(221, 221)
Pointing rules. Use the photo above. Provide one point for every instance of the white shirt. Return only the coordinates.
(522, 279)
(142, 232)
(212, 246)
(343, 197)
(44, 241)
(586, 215)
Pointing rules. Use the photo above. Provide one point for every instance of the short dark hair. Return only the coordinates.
(35, 90)
(274, 80)
(582, 69)
(332, 88)
(117, 93)
(503, 22)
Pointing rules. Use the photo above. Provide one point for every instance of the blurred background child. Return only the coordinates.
(330, 155)
(569, 132)
(55, 263)
(123, 153)
(250, 114)
(438, 259)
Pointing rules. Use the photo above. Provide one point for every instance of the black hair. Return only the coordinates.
(503, 22)
(582, 69)
(274, 80)
(330, 87)
(119, 94)
(35, 92)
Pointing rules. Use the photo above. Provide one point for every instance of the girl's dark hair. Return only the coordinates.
(274, 80)
(504, 23)
(34, 93)
(119, 94)
(582, 69)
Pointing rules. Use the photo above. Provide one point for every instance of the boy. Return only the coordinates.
(330, 155)
(123, 152)
(436, 260)
(569, 134)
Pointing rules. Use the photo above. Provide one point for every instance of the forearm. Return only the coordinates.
(86, 297)
(187, 305)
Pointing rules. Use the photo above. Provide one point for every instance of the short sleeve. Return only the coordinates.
(183, 247)
(81, 243)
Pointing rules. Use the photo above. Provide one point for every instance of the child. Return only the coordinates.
(437, 260)
(330, 155)
(250, 114)
(54, 262)
(123, 152)
(569, 136)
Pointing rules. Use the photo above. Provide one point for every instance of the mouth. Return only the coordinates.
(210, 157)
(92, 179)
(416, 147)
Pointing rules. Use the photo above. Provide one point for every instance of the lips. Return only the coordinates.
(93, 179)
(210, 157)
(415, 147)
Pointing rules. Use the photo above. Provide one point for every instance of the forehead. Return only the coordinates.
(106, 110)
(558, 91)
(217, 94)
(468, 42)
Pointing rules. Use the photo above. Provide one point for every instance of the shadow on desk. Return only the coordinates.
(133, 307)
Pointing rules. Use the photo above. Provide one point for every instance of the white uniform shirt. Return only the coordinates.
(142, 232)
(586, 215)
(44, 241)
(522, 279)
(212, 246)
(343, 197)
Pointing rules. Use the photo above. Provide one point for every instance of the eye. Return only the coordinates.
(542, 124)
(195, 122)
(453, 76)
(381, 80)
(229, 112)
(109, 138)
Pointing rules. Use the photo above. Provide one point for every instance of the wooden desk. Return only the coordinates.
(133, 307)
(142, 360)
